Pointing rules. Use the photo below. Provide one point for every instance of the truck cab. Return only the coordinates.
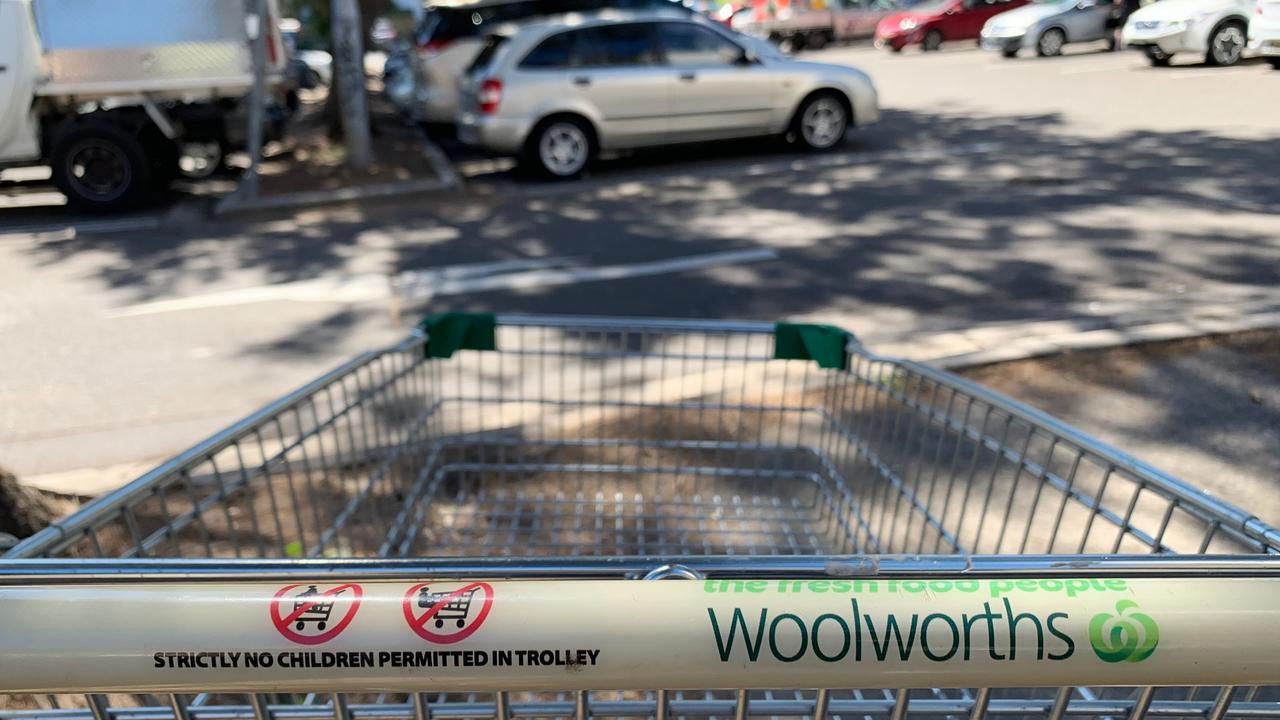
(19, 63)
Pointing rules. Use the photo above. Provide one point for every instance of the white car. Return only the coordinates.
(1264, 31)
(1214, 29)
(559, 93)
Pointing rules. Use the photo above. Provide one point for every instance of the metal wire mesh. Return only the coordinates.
(658, 438)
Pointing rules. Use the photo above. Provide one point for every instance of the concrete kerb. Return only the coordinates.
(1024, 346)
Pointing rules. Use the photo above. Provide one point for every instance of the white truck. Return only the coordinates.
(799, 24)
(112, 93)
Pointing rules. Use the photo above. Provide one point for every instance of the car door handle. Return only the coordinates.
(582, 81)
(688, 76)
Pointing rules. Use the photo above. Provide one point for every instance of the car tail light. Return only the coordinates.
(434, 47)
(490, 95)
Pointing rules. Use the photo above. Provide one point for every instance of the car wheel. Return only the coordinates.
(1157, 57)
(1051, 42)
(821, 122)
(1009, 53)
(101, 168)
(932, 41)
(560, 147)
(1275, 62)
(1227, 45)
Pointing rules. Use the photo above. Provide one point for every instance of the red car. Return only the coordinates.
(934, 22)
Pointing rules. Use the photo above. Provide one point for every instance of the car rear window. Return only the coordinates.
(485, 56)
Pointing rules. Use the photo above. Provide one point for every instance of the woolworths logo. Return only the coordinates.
(1125, 636)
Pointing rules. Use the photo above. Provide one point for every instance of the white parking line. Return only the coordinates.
(1184, 74)
(35, 173)
(90, 227)
(1110, 64)
(418, 285)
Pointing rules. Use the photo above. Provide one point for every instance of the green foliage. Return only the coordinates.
(315, 14)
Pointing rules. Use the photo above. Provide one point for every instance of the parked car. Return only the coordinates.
(450, 36)
(1214, 29)
(934, 22)
(1047, 26)
(558, 94)
(312, 68)
(813, 24)
(1264, 31)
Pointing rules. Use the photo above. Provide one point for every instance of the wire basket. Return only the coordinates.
(733, 449)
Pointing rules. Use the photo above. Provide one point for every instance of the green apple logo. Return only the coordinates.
(1123, 637)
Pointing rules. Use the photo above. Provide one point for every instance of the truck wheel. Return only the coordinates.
(201, 160)
(816, 41)
(792, 44)
(101, 168)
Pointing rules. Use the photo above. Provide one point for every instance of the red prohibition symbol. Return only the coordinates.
(447, 615)
(311, 614)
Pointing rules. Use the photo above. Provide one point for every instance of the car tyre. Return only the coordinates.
(560, 147)
(1275, 62)
(1157, 57)
(1226, 44)
(1051, 43)
(1009, 53)
(932, 41)
(821, 122)
(101, 168)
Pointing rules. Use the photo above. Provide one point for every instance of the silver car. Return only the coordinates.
(452, 33)
(556, 95)
(1046, 26)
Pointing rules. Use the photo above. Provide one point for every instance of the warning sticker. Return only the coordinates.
(313, 614)
(443, 613)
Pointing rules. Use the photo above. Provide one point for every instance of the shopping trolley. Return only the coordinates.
(312, 611)
(453, 605)
(565, 450)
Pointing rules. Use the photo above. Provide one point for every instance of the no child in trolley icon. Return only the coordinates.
(313, 614)
(446, 612)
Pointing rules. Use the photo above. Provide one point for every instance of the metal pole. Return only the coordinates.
(258, 19)
(348, 57)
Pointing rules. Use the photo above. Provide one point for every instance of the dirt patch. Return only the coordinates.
(24, 511)
(314, 160)
(1206, 410)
